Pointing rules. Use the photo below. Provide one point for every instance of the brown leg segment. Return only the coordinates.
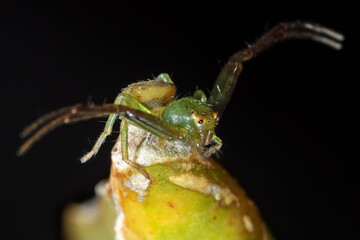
(78, 113)
(226, 81)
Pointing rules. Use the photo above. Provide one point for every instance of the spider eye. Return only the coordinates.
(200, 120)
(192, 112)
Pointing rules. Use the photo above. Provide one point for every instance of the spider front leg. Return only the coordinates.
(226, 81)
(125, 150)
(122, 99)
(215, 146)
(141, 119)
(146, 92)
(156, 94)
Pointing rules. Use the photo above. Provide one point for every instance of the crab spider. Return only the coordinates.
(150, 105)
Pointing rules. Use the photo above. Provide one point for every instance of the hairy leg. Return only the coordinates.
(78, 113)
(122, 99)
(215, 147)
(226, 81)
(132, 97)
(124, 148)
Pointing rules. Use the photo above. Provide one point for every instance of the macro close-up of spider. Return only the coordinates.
(196, 144)
(151, 105)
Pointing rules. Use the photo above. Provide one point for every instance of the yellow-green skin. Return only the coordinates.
(189, 197)
(180, 201)
(172, 212)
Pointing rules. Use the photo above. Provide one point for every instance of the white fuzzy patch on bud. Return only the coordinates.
(138, 183)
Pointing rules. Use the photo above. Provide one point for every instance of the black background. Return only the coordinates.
(290, 133)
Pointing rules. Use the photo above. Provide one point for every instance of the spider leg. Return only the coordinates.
(124, 148)
(120, 100)
(217, 144)
(156, 94)
(226, 81)
(78, 113)
(52, 125)
(42, 120)
(148, 92)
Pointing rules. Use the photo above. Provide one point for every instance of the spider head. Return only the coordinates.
(195, 116)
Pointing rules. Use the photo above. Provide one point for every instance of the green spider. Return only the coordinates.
(151, 105)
